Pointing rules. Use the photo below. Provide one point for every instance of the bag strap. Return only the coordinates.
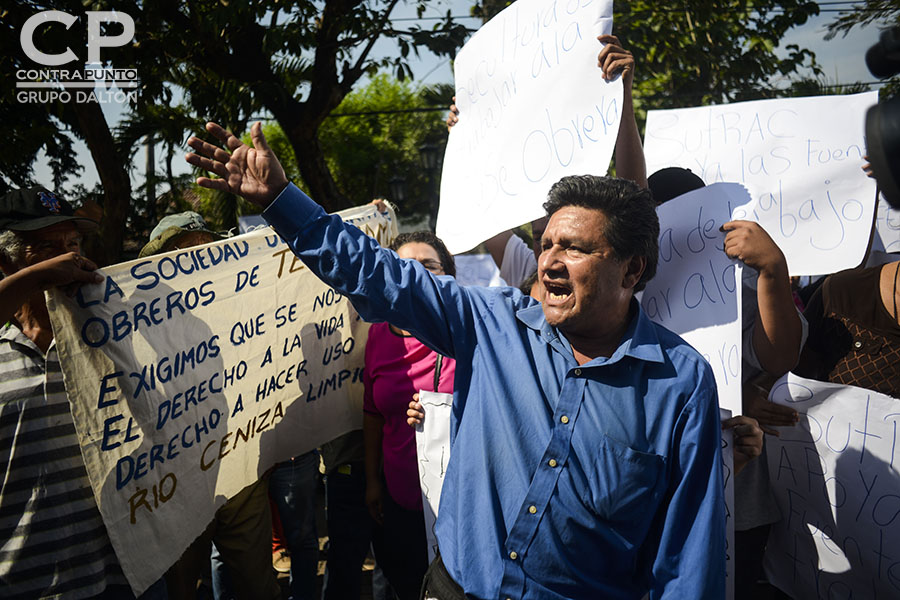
(437, 371)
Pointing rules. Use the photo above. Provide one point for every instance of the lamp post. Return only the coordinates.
(397, 187)
(429, 155)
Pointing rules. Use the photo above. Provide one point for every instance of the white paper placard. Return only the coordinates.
(835, 477)
(533, 107)
(696, 291)
(801, 159)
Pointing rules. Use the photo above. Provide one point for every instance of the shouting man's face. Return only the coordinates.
(585, 286)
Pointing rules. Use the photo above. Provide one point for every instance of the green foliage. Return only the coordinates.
(488, 9)
(294, 59)
(363, 151)
(695, 53)
(872, 12)
(881, 12)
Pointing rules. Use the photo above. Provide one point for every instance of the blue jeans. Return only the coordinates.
(292, 486)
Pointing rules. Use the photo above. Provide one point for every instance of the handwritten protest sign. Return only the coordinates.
(533, 107)
(800, 158)
(835, 477)
(696, 291)
(477, 269)
(433, 455)
(192, 372)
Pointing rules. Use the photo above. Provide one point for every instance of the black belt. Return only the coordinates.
(439, 584)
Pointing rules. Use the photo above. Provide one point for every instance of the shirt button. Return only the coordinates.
(564, 419)
(857, 344)
(532, 509)
(578, 371)
(552, 462)
(513, 555)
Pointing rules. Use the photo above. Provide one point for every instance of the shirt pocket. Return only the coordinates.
(625, 483)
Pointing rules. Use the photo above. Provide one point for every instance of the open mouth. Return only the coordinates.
(556, 293)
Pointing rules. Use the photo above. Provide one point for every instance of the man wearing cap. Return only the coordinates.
(53, 540)
(181, 230)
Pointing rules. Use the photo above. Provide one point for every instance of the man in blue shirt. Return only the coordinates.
(586, 459)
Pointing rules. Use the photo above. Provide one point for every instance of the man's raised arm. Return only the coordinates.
(381, 286)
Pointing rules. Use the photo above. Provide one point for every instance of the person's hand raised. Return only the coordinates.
(252, 173)
(749, 243)
(613, 60)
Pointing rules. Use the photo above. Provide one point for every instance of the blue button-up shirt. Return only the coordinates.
(601, 480)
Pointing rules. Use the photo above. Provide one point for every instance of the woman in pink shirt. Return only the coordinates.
(397, 366)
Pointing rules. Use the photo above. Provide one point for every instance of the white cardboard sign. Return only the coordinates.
(835, 477)
(696, 291)
(533, 107)
(801, 159)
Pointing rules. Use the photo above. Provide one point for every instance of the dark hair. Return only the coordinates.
(632, 227)
(426, 237)
(672, 182)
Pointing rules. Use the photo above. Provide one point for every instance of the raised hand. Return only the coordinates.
(749, 243)
(252, 173)
(453, 115)
(614, 59)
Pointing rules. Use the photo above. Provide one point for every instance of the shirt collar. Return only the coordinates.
(639, 341)
(9, 332)
(12, 334)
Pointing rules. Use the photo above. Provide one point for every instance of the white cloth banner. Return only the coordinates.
(191, 373)
(696, 291)
(835, 477)
(801, 159)
(533, 107)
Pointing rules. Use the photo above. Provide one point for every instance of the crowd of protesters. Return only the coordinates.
(586, 458)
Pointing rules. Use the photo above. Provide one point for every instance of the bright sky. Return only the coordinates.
(842, 60)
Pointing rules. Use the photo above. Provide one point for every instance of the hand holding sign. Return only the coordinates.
(767, 414)
(252, 173)
(67, 271)
(750, 244)
(415, 414)
(614, 60)
(748, 440)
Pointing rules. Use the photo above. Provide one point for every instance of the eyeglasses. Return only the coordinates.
(433, 266)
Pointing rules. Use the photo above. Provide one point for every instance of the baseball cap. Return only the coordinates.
(37, 207)
(173, 226)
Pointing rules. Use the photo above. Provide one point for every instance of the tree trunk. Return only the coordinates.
(315, 172)
(113, 177)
